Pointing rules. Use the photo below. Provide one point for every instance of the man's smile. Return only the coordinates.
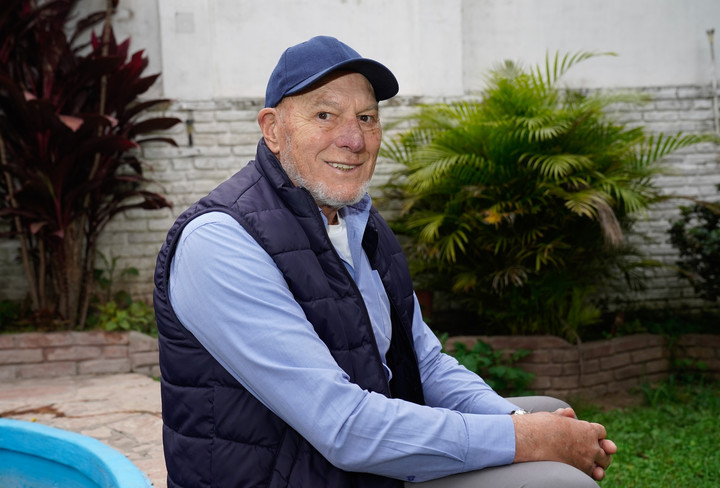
(342, 167)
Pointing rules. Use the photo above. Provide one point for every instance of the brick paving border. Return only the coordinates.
(598, 368)
(54, 354)
(561, 369)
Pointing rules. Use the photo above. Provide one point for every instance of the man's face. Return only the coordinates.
(328, 139)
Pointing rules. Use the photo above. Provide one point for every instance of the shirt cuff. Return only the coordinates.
(491, 441)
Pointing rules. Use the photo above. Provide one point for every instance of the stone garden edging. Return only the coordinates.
(597, 368)
(49, 354)
(561, 369)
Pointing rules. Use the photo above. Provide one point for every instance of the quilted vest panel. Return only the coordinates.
(217, 434)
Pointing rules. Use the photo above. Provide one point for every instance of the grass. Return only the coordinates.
(671, 441)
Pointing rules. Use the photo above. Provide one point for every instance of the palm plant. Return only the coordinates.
(518, 203)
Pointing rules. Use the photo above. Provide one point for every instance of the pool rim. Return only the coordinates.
(99, 462)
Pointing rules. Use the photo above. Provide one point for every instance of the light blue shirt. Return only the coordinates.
(228, 292)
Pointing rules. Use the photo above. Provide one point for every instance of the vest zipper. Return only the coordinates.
(355, 288)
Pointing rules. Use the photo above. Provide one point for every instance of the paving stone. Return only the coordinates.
(123, 411)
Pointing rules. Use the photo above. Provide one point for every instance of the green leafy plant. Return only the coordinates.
(106, 276)
(127, 316)
(71, 125)
(117, 310)
(696, 235)
(516, 205)
(496, 367)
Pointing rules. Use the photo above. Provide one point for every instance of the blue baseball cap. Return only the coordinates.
(302, 65)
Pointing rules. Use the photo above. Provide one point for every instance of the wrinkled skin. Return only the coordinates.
(327, 139)
(559, 436)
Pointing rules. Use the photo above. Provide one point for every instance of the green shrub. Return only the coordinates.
(516, 205)
(496, 367)
(116, 310)
(126, 316)
(696, 235)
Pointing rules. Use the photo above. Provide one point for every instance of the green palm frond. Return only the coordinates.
(658, 146)
(452, 245)
(539, 128)
(633, 200)
(445, 245)
(557, 166)
(556, 66)
(464, 282)
(463, 168)
(429, 226)
(514, 275)
(585, 202)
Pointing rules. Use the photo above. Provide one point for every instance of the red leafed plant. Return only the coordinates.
(71, 125)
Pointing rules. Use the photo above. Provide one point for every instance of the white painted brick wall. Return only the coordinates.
(226, 133)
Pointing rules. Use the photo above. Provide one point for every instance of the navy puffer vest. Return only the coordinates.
(217, 434)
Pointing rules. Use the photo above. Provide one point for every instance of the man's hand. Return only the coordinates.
(559, 436)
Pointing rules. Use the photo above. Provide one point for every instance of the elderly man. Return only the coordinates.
(292, 347)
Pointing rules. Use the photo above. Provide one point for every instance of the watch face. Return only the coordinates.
(519, 411)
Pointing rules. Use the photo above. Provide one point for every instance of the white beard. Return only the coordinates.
(322, 193)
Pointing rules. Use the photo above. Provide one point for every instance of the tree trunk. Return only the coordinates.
(73, 250)
(86, 263)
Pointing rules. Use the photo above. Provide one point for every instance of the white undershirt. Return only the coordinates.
(339, 237)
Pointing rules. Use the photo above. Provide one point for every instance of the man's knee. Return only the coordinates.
(538, 403)
(559, 475)
(541, 474)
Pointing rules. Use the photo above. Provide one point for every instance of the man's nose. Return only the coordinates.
(351, 136)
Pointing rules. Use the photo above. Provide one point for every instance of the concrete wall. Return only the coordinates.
(208, 49)
(226, 48)
(657, 42)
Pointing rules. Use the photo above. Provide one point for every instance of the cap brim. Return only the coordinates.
(382, 80)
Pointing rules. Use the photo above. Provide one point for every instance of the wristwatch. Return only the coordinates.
(519, 411)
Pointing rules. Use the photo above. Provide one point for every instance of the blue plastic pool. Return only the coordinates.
(38, 456)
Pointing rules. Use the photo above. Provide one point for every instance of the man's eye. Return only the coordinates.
(367, 118)
(323, 116)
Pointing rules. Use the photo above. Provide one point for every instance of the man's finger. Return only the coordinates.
(608, 446)
(598, 473)
(565, 412)
(603, 460)
(602, 433)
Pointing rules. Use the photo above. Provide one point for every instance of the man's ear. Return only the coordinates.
(268, 120)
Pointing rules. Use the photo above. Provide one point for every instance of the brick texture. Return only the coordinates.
(70, 353)
(600, 367)
(560, 368)
(226, 136)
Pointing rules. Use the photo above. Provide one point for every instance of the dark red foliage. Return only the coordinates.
(71, 123)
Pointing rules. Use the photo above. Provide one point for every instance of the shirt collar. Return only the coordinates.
(357, 213)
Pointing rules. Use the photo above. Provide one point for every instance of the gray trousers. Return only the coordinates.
(545, 474)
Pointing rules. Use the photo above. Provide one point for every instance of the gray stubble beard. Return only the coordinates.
(321, 193)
